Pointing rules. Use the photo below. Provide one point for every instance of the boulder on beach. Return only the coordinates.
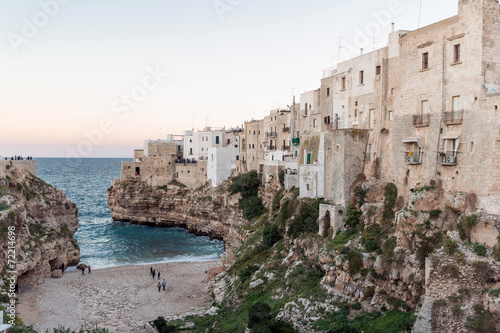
(57, 274)
(81, 266)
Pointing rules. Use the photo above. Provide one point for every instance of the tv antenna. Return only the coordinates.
(340, 46)
(419, 13)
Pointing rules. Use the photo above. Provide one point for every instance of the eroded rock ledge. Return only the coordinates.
(203, 211)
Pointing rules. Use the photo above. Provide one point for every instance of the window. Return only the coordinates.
(327, 92)
(456, 53)
(216, 140)
(355, 113)
(425, 60)
(456, 104)
(342, 83)
(237, 157)
(249, 146)
(190, 140)
(378, 70)
(314, 122)
(424, 108)
(190, 151)
(306, 110)
(253, 146)
(228, 141)
(362, 77)
(253, 132)
(202, 138)
(307, 187)
(391, 115)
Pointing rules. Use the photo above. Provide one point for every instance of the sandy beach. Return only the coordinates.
(121, 299)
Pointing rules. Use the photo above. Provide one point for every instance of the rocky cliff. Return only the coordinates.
(43, 220)
(203, 211)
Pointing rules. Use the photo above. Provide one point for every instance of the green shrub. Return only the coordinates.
(355, 259)
(353, 215)
(483, 320)
(177, 183)
(162, 327)
(356, 306)
(259, 315)
(247, 272)
(3, 206)
(484, 273)
(252, 207)
(248, 185)
(271, 236)
(450, 246)
(341, 239)
(480, 250)
(465, 226)
(164, 187)
(451, 270)
(305, 220)
(372, 237)
(391, 194)
(281, 177)
(434, 214)
(397, 303)
(277, 200)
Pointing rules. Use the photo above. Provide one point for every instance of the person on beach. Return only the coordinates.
(154, 273)
(83, 270)
(151, 270)
(62, 268)
(159, 287)
(158, 275)
(163, 284)
(90, 270)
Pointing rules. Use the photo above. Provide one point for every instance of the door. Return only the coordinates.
(372, 118)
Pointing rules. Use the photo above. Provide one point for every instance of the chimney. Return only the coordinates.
(362, 51)
(392, 24)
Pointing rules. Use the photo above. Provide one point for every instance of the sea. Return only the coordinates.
(106, 243)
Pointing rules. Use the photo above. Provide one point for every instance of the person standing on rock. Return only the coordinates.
(159, 286)
(163, 284)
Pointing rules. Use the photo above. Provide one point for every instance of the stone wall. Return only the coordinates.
(23, 165)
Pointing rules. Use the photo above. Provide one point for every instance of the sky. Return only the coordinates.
(95, 78)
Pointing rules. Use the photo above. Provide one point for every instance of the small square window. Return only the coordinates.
(327, 92)
(378, 70)
(361, 77)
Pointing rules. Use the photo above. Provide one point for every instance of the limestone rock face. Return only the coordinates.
(44, 223)
(204, 211)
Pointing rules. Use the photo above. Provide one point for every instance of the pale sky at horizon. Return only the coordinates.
(68, 76)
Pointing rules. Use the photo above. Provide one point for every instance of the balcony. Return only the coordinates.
(286, 129)
(285, 148)
(186, 161)
(295, 142)
(414, 157)
(447, 158)
(271, 148)
(421, 120)
(453, 118)
(271, 134)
